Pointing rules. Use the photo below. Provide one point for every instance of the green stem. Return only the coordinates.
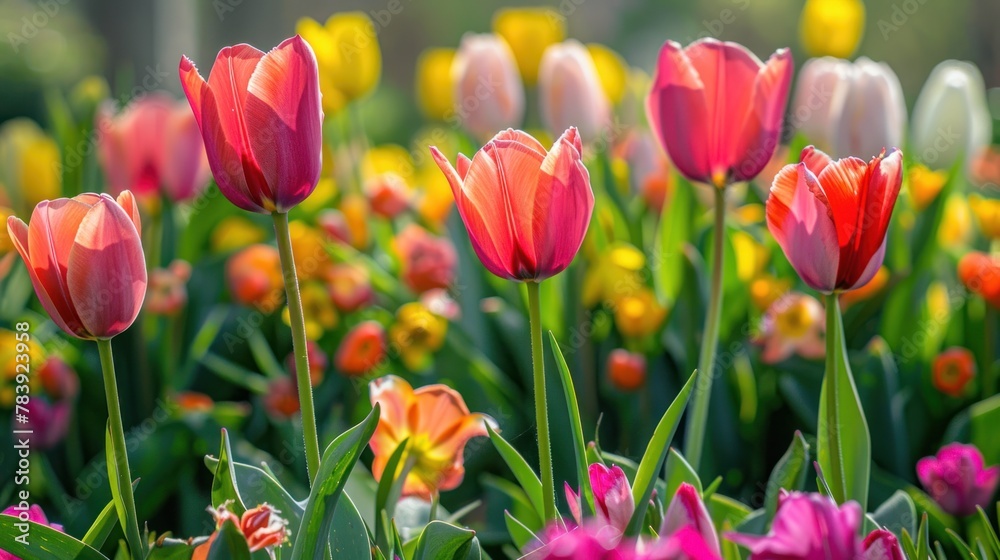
(136, 545)
(435, 500)
(694, 439)
(299, 345)
(541, 408)
(834, 344)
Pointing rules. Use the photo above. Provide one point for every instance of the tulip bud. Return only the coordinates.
(570, 91)
(612, 495)
(489, 94)
(958, 479)
(951, 118)
(626, 371)
(687, 509)
(881, 544)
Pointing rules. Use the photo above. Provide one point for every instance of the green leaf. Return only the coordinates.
(224, 487)
(991, 534)
(579, 444)
(103, 525)
(519, 533)
(675, 231)
(443, 541)
(725, 510)
(229, 544)
(389, 490)
(656, 454)
(984, 417)
(789, 473)
(923, 539)
(338, 460)
(525, 476)
(906, 542)
(42, 542)
(961, 545)
(523, 508)
(897, 514)
(349, 537)
(173, 549)
(258, 487)
(678, 472)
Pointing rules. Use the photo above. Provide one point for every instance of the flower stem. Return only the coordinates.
(694, 439)
(136, 545)
(541, 407)
(834, 344)
(299, 345)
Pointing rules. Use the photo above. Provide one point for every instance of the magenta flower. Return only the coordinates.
(812, 527)
(595, 541)
(35, 514)
(957, 478)
(687, 510)
(612, 497)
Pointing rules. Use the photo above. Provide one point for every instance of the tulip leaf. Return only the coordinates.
(897, 513)
(115, 482)
(725, 510)
(337, 463)
(258, 487)
(389, 489)
(229, 544)
(679, 471)
(174, 549)
(105, 523)
(656, 454)
(675, 230)
(991, 533)
(984, 417)
(443, 541)
(525, 476)
(519, 533)
(42, 542)
(579, 444)
(789, 473)
(224, 485)
(963, 547)
(523, 509)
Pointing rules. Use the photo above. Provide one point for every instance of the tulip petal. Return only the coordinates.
(612, 495)
(687, 509)
(758, 137)
(283, 108)
(107, 271)
(184, 166)
(563, 208)
(881, 544)
(127, 201)
(814, 159)
(394, 395)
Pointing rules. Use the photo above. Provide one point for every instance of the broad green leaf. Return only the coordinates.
(656, 454)
(349, 536)
(897, 513)
(789, 473)
(443, 541)
(678, 472)
(105, 523)
(224, 487)
(338, 460)
(675, 231)
(579, 444)
(519, 533)
(229, 544)
(525, 476)
(42, 542)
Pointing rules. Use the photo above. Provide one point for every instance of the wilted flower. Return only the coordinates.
(427, 261)
(434, 88)
(255, 279)
(416, 333)
(626, 370)
(952, 371)
(362, 349)
(348, 55)
(570, 91)
(951, 118)
(794, 324)
(958, 479)
(832, 27)
(529, 31)
(489, 95)
(30, 167)
(167, 293)
(436, 423)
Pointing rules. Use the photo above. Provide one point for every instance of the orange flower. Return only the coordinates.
(626, 370)
(952, 371)
(262, 527)
(349, 286)
(282, 398)
(191, 401)
(388, 195)
(437, 424)
(84, 256)
(428, 261)
(255, 278)
(362, 349)
(981, 275)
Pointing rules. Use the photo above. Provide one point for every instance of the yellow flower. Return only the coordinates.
(309, 251)
(612, 71)
(436, 198)
(388, 158)
(615, 274)
(8, 365)
(832, 27)
(234, 233)
(416, 334)
(767, 289)
(750, 214)
(956, 224)
(639, 314)
(987, 211)
(924, 185)
(355, 209)
(434, 87)
(751, 256)
(320, 314)
(348, 55)
(529, 31)
(30, 167)
(6, 245)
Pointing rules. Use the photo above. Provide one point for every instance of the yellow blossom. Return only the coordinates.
(434, 87)
(355, 209)
(987, 211)
(956, 224)
(639, 314)
(751, 256)
(612, 71)
(417, 333)
(832, 27)
(924, 185)
(529, 31)
(766, 289)
(348, 55)
(309, 251)
(30, 167)
(616, 273)
(234, 233)
(320, 314)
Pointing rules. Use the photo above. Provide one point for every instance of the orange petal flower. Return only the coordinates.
(428, 261)
(255, 279)
(438, 425)
(362, 349)
(626, 370)
(952, 371)
(981, 274)
(262, 527)
(84, 256)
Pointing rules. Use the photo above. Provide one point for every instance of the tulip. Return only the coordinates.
(849, 109)
(595, 541)
(687, 509)
(434, 88)
(282, 398)
(611, 69)
(626, 370)
(639, 314)
(570, 91)
(985, 169)
(416, 333)
(612, 495)
(981, 275)
(489, 95)
(317, 362)
(32, 513)
(334, 224)
(349, 286)
(987, 212)
(958, 479)
(830, 217)
(832, 27)
(794, 324)
(388, 195)
(348, 56)
(167, 288)
(648, 168)
(58, 378)
(30, 168)
(529, 31)
(956, 227)
(437, 424)
(235, 232)
(952, 371)
(526, 210)
(614, 275)
(814, 527)
(312, 261)
(356, 212)
(254, 277)
(261, 121)
(951, 118)
(427, 261)
(193, 402)
(153, 144)
(47, 422)
(84, 256)
(362, 349)
(262, 527)
(711, 135)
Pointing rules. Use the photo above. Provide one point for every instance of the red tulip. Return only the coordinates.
(717, 109)
(526, 210)
(831, 217)
(261, 119)
(84, 256)
(153, 144)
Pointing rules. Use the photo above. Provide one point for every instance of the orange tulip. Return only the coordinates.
(349, 286)
(255, 278)
(362, 349)
(262, 527)
(952, 371)
(438, 425)
(981, 274)
(626, 370)
(526, 210)
(84, 256)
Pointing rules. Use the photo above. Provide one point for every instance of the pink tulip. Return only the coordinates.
(261, 120)
(612, 497)
(84, 256)
(717, 109)
(570, 92)
(526, 210)
(687, 509)
(489, 94)
(881, 544)
(47, 422)
(958, 479)
(153, 144)
(427, 261)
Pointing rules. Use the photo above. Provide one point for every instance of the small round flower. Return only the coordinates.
(626, 370)
(362, 349)
(952, 371)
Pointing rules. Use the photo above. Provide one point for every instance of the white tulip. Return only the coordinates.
(489, 93)
(570, 92)
(951, 118)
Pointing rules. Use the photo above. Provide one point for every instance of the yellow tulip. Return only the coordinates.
(956, 224)
(987, 211)
(529, 31)
(751, 256)
(639, 314)
(6, 245)
(435, 88)
(30, 168)
(388, 158)
(416, 334)
(235, 232)
(612, 71)
(309, 251)
(924, 185)
(615, 274)
(436, 199)
(832, 27)
(348, 55)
